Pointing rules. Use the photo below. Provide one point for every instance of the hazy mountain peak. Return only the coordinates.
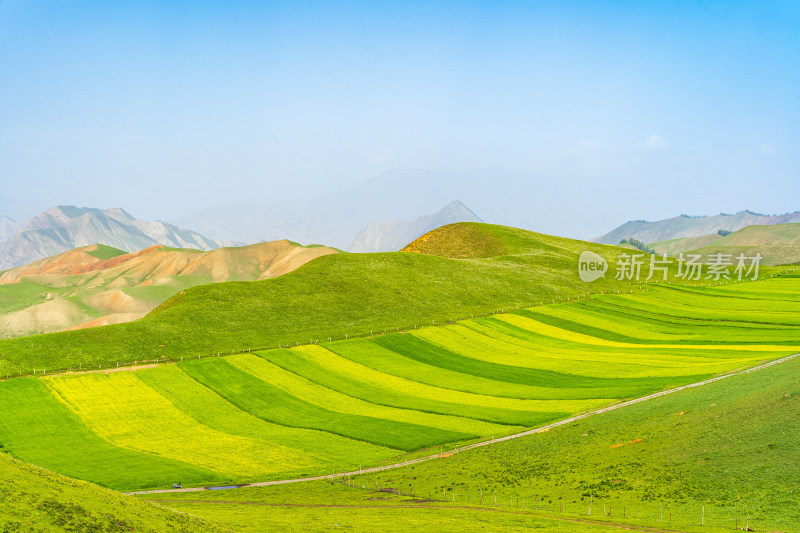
(70, 211)
(120, 212)
(391, 235)
(457, 209)
(64, 227)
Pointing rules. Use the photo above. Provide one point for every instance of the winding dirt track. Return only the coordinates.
(486, 442)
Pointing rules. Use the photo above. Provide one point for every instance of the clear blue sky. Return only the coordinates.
(167, 107)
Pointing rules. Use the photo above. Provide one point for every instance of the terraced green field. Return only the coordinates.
(336, 405)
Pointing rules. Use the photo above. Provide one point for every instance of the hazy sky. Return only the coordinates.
(168, 107)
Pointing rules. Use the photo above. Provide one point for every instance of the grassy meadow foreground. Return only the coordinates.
(443, 366)
(34, 500)
(319, 506)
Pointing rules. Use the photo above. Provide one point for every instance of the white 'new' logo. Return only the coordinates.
(591, 266)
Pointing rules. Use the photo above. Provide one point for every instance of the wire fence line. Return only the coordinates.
(109, 364)
(650, 513)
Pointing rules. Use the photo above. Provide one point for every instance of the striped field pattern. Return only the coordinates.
(332, 406)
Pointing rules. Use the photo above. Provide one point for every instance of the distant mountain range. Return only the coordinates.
(65, 227)
(685, 226)
(334, 219)
(392, 235)
(98, 285)
(775, 237)
(344, 220)
(249, 223)
(778, 244)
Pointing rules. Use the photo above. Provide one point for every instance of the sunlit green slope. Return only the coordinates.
(37, 500)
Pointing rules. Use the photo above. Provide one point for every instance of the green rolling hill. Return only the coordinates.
(320, 506)
(673, 247)
(332, 296)
(778, 244)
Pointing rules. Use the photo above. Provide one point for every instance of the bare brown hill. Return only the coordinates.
(97, 285)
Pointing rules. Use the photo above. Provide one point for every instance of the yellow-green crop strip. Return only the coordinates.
(123, 410)
(337, 401)
(209, 408)
(335, 363)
